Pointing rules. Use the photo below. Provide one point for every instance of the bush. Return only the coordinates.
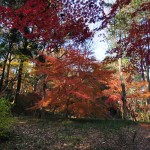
(6, 119)
(25, 101)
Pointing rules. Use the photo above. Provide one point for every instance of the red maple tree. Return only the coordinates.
(74, 84)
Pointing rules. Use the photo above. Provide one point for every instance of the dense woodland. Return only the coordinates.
(48, 68)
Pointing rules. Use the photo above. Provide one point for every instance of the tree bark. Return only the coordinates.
(142, 69)
(67, 109)
(19, 79)
(147, 67)
(8, 70)
(3, 74)
(148, 81)
(4, 67)
(124, 107)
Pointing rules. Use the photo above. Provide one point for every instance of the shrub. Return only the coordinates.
(6, 119)
(24, 102)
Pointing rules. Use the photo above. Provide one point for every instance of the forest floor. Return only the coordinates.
(37, 134)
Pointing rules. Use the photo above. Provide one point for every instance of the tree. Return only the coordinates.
(46, 21)
(39, 25)
(7, 41)
(74, 84)
(136, 95)
(132, 42)
(14, 48)
(50, 25)
(136, 35)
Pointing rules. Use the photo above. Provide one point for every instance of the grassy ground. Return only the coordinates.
(36, 134)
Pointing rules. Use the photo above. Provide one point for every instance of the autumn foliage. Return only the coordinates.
(74, 84)
(43, 53)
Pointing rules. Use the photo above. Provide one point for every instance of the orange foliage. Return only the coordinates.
(136, 95)
(74, 84)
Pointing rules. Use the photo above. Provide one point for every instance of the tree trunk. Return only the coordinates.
(4, 67)
(142, 68)
(148, 81)
(8, 70)
(3, 74)
(19, 79)
(42, 111)
(67, 109)
(124, 107)
(147, 67)
(20, 72)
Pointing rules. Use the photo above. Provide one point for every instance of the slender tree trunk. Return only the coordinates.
(67, 115)
(147, 67)
(67, 109)
(19, 79)
(3, 74)
(123, 90)
(4, 67)
(20, 72)
(8, 70)
(142, 68)
(44, 89)
(42, 111)
(148, 81)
